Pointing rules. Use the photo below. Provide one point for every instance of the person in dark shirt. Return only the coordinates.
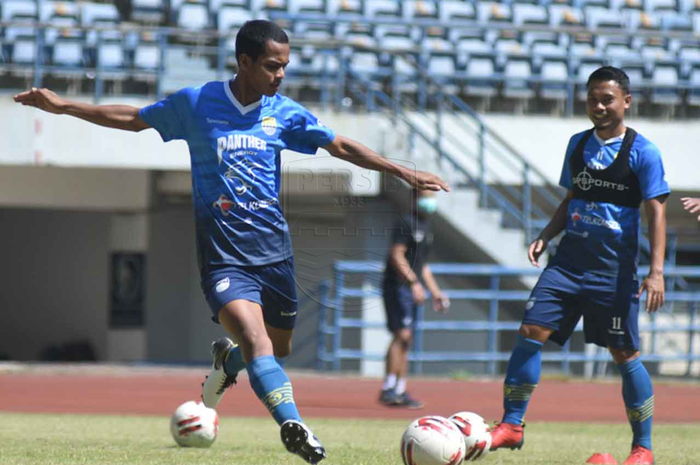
(406, 278)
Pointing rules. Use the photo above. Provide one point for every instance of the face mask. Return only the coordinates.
(427, 205)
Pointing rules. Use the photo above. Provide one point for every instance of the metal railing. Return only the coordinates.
(334, 320)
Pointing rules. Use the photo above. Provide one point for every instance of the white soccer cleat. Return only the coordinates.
(216, 383)
(300, 440)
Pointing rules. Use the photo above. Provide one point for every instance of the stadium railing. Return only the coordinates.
(334, 319)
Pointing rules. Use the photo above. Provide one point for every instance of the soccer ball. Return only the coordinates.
(194, 425)
(477, 434)
(432, 440)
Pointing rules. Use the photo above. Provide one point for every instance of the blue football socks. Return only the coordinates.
(522, 377)
(235, 362)
(638, 394)
(273, 388)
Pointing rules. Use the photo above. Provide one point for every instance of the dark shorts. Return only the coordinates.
(608, 304)
(272, 286)
(399, 306)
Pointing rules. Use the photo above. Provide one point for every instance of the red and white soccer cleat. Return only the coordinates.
(507, 436)
(640, 456)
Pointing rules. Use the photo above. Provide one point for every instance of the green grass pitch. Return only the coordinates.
(29, 439)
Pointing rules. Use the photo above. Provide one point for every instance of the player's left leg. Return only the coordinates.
(615, 321)
(268, 378)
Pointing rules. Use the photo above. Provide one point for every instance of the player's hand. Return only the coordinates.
(536, 249)
(418, 292)
(654, 285)
(441, 303)
(691, 205)
(425, 181)
(42, 99)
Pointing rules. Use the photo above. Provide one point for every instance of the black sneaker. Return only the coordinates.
(406, 401)
(388, 397)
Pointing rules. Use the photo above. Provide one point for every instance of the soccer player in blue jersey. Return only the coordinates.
(609, 171)
(235, 131)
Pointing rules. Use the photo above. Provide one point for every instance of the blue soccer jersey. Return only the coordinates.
(235, 159)
(603, 237)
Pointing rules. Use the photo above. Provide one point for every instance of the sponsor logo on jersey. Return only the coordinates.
(269, 125)
(595, 221)
(419, 236)
(585, 182)
(234, 142)
(224, 204)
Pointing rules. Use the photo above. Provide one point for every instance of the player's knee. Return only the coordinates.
(621, 356)
(534, 332)
(257, 341)
(404, 336)
(283, 350)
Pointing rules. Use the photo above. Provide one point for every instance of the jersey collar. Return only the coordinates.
(243, 109)
(603, 142)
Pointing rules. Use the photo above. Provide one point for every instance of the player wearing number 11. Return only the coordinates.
(609, 171)
(236, 131)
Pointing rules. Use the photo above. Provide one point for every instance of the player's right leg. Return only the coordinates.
(400, 317)
(549, 310)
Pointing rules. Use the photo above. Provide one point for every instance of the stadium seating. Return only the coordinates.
(487, 47)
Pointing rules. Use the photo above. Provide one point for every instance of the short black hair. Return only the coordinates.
(610, 73)
(253, 36)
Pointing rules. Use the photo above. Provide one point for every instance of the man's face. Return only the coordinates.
(265, 74)
(606, 104)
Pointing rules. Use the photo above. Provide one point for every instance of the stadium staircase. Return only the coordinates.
(499, 200)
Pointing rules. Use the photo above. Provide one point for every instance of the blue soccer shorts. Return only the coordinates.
(272, 286)
(399, 306)
(608, 304)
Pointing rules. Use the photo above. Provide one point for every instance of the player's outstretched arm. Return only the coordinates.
(358, 154)
(691, 205)
(654, 283)
(123, 117)
(554, 227)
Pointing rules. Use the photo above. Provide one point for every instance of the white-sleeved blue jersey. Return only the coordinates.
(235, 159)
(603, 237)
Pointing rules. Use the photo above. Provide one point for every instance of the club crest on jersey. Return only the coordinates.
(269, 125)
(223, 204)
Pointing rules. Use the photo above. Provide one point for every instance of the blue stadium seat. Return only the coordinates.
(23, 50)
(110, 55)
(527, 13)
(352, 9)
(148, 11)
(215, 6)
(479, 74)
(420, 9)
(474, 45)
(674, 21)
(232, 17)
(268, 6)
(396, 42)
(147, 53)
(320, 31)
(620, 52)
(564, 15)
(437, 45)
(365, 64)
(456, 10)
(664, 80)
(67, 52)
(98, 13)
(193, 16)
(694, 91)
(442, 69)
(654, 49)
(554, 75)
(516, 83)
(11, 9)
(599, 17)
(377, 9)
(543, 48)
(662, 5)
(306, 6)
(492, 12)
